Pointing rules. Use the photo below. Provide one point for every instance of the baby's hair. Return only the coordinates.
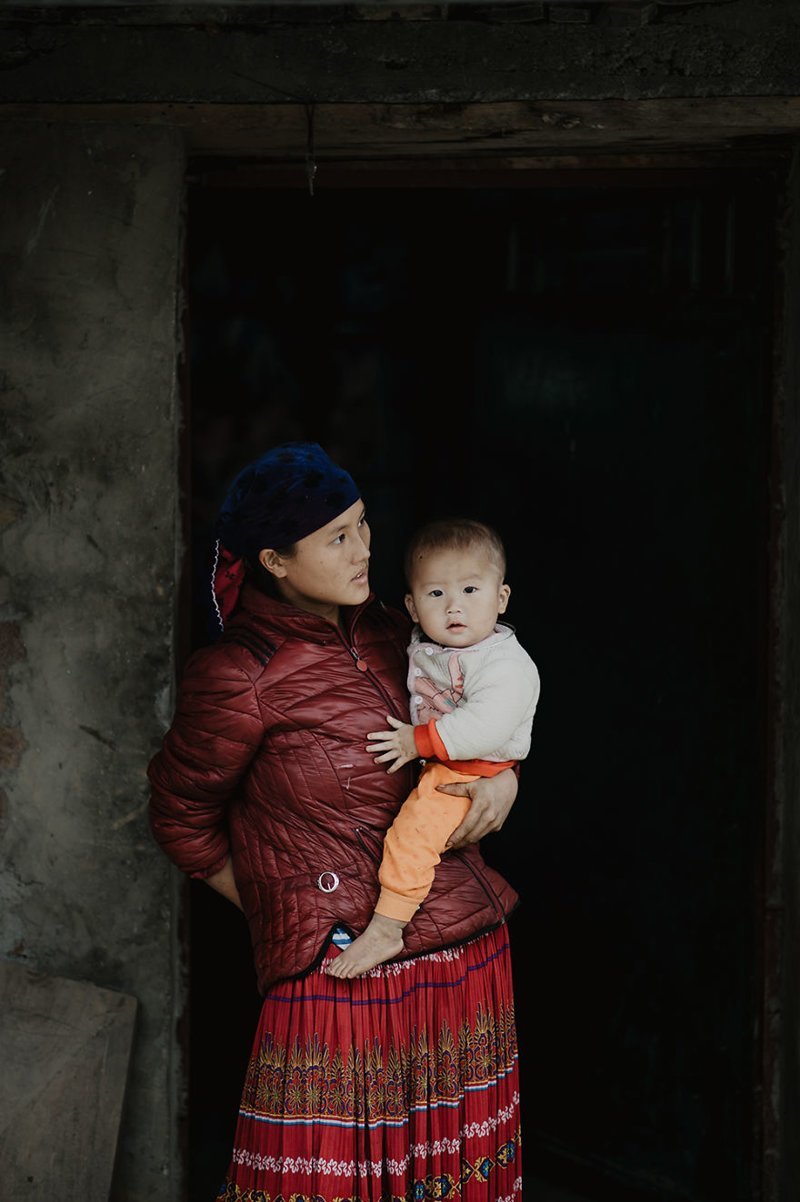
(454, 534)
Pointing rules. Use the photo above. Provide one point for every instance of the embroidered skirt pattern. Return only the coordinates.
(398, 1086)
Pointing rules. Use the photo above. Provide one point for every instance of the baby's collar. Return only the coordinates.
(502, 630)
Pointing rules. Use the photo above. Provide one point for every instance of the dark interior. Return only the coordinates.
(587, 368)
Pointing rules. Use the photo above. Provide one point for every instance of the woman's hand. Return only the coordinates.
(396, 744)
(492, 798)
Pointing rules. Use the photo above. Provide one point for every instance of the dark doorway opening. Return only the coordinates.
(589, 370)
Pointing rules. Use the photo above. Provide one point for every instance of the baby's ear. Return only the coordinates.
(502, 600)
(411, 607)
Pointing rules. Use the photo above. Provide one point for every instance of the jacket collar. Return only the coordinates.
(285, 619)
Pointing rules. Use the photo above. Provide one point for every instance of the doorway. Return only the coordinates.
(588, 369)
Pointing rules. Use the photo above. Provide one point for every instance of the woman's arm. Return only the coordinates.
(492, 798)
(217, 730)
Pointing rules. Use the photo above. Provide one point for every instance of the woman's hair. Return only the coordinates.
(263, 579)
(454, 534)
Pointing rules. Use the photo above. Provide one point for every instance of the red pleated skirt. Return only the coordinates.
(398, 1086)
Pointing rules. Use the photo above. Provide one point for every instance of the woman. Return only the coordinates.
(401, 1084)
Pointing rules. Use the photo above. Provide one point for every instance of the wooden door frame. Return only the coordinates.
(588, 143)
(343, 165)
(775, 1155)
(672, 169)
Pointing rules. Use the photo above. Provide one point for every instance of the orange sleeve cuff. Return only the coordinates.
(428, 742)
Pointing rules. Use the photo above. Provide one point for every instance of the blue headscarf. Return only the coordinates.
(288, 493)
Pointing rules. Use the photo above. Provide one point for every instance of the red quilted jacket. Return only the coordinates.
(266, 762)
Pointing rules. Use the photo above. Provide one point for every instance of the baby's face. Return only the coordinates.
(456, 596)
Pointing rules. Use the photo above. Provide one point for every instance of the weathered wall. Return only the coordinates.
(254, 54)
(89, 238)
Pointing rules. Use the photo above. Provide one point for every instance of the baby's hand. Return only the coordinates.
(396, 744)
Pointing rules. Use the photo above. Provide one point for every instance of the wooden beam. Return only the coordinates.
(570, 171)
(509, 130)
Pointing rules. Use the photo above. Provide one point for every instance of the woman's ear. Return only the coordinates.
(273, 562)
(502, 600)
(411, 607)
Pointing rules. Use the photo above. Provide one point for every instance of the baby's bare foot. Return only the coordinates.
(382, 939)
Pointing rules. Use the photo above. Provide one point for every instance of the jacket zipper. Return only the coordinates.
(364, 667)
(361, 837)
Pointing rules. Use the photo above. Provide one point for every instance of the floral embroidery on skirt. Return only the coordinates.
(399, 1086)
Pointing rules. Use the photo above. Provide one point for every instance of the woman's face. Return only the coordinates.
(328, 568)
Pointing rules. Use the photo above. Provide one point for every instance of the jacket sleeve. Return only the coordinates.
(501, 702)
(217, 730)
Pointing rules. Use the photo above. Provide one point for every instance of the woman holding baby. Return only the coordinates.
(393, 1076)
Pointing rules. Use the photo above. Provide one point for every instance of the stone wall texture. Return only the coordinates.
(89, 244)
(246, 54)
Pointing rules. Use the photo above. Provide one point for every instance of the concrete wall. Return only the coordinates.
(89, 242)
(235, 54)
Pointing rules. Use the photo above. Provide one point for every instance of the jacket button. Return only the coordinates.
(327, 882)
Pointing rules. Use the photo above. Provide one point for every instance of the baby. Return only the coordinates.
(473, 696)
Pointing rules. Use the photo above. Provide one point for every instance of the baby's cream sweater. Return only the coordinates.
(482, 698)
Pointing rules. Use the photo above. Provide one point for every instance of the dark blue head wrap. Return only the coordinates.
(289, 492)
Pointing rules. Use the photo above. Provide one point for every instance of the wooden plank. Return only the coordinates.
(570, 171)
(779, 1095)
(280, 131)
(64, 1051)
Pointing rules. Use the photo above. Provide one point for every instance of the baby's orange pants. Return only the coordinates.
(416, 839)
